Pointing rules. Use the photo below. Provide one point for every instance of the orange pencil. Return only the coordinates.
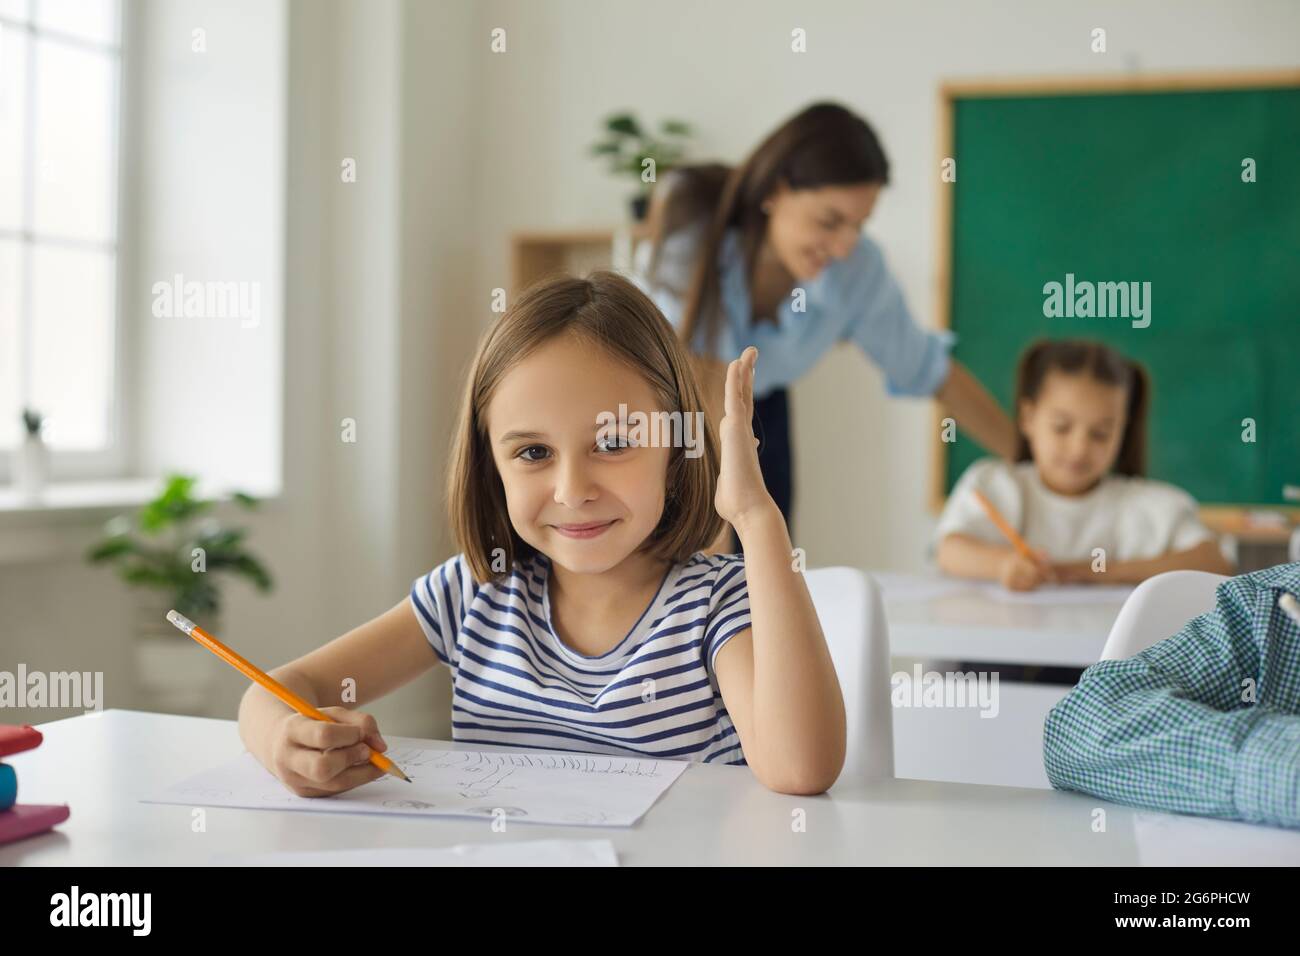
(1005, 527)
(270, 683)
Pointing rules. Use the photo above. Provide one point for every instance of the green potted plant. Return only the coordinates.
(173, 551)
(627, 145)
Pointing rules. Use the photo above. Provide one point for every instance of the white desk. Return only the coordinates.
(712, 815)
(960, 746)
(962, 622)
(944, 620)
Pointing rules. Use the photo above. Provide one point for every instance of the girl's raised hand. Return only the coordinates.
(741, 491)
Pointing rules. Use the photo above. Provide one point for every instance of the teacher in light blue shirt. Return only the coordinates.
(771, 254)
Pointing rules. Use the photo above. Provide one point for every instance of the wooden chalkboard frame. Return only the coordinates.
(1226, 519)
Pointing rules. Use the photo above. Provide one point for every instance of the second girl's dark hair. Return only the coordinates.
(825, 144)
(1102, 363)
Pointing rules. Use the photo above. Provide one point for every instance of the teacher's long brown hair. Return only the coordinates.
(823, 145)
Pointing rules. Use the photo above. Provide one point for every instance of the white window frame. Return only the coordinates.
(111, 461)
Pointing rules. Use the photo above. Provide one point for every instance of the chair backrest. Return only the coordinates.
(852, 616)
(1158, 608)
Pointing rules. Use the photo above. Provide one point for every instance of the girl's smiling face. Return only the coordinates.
(585, 503)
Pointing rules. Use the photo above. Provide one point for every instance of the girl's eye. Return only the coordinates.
(1100, 437)
(614, 444)
(524, 452)
(1060, 429)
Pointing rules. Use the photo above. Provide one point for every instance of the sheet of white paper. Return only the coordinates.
(1053, 595)
(515, 853)
(555, 788)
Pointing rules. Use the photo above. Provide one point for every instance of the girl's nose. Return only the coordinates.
(573, 487)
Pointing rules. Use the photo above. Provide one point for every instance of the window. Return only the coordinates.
(60, 69)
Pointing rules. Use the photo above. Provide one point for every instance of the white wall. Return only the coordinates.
(204, 147)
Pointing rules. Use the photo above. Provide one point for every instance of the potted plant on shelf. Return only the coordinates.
(628, 145)
(174, 553)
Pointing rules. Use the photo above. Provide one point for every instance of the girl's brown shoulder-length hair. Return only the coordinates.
(1102, 363)
(610, 312)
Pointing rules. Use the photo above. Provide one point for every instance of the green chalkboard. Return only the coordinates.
(1143, 186)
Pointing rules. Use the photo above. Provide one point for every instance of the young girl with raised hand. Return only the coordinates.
(581, 613)
(1076, 492)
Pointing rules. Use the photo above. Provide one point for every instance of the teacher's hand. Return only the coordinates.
(741, 492)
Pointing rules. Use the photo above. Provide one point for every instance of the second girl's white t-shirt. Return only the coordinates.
(1131, 518)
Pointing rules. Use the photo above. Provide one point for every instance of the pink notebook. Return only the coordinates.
(25, 819)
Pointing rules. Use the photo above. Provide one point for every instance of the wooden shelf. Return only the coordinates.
(535, 253)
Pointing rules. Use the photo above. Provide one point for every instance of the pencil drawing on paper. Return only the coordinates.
(479, 762)
(493, 811)
(541, 787)
(410, 805)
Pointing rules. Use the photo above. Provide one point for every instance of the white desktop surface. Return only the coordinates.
(963, 622)
(101, 765)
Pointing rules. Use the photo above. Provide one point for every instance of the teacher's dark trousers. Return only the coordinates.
(772, 429)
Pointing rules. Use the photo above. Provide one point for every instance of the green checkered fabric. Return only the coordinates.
(1205, 722)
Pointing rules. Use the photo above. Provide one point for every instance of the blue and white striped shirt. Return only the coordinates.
(515, 683)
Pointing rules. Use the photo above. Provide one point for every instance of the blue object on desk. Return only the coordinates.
(8, 786)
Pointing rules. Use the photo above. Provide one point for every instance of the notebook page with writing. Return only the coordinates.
(555, 788)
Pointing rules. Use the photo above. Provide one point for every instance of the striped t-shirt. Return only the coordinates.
(515, 683)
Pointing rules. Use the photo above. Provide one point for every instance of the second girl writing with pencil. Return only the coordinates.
(582, 613)
(1077, 493)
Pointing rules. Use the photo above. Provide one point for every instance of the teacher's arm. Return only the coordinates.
(915, 361)
(977, 412)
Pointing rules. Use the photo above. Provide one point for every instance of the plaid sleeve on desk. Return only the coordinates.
(1205, 722)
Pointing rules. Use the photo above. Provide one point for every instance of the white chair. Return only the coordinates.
(1158, 608)
(852, 616)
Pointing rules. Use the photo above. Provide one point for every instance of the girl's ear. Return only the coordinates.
(1024, 415)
